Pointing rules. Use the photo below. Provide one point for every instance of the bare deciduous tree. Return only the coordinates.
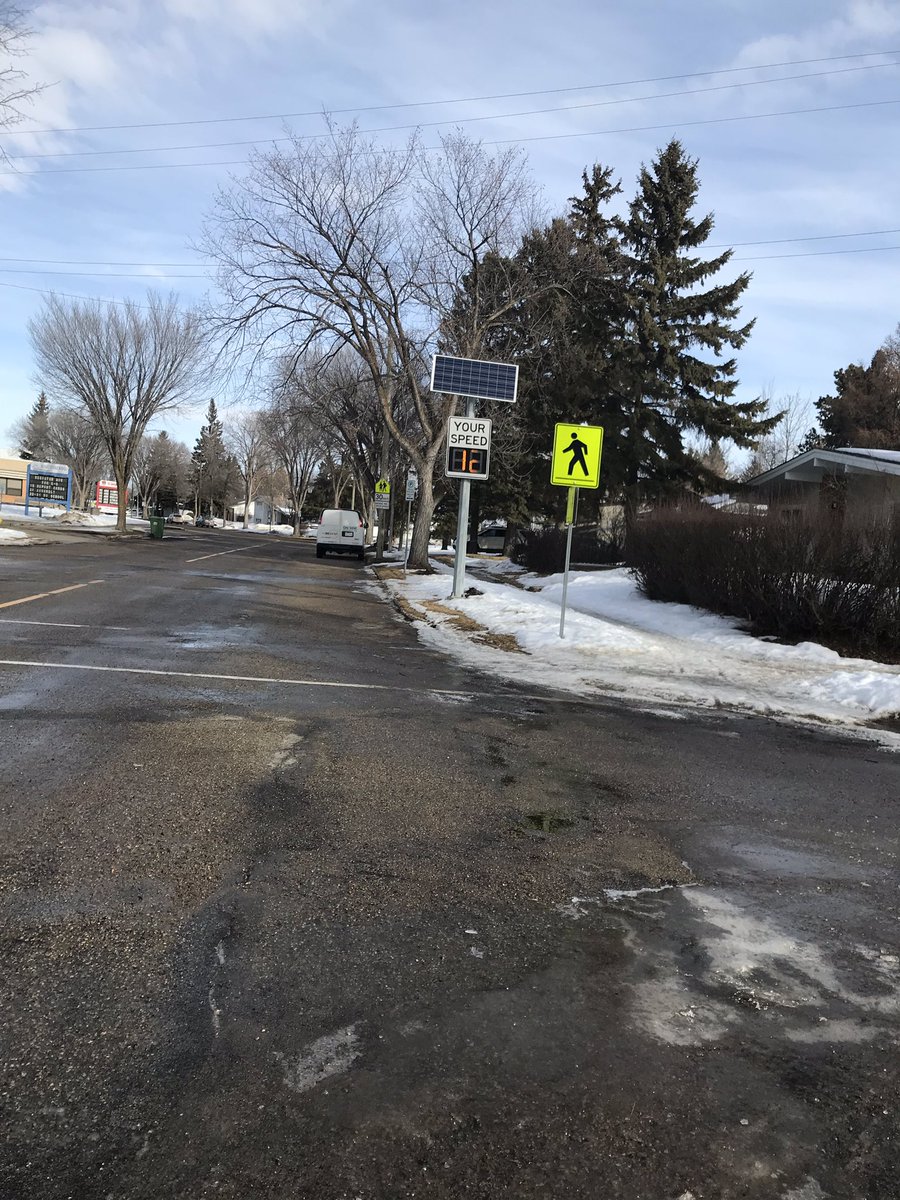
(14, 86)
(247, 443)
(341, 242)
(293, 433)
(783, 442)
(76, 441)
(120, 366)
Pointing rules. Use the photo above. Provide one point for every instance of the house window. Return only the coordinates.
(11, 487)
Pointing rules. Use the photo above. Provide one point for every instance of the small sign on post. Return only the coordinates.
(382, 494)
(575, 463)
(468, 448)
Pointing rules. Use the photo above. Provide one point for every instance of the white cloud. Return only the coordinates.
(248, 17)
(858, 28)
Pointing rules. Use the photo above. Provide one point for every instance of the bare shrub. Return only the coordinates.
(830, 581)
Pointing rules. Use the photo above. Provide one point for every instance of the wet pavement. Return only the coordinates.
(292, 907)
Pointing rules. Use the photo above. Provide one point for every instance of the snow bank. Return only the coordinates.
(12, 535)
(618, 642)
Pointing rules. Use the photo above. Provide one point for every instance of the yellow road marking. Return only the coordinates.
(43, 595)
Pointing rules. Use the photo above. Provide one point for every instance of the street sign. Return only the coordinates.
(474, 378)
(468, 448)
(577, 450)
(412, 486)
(382, 487)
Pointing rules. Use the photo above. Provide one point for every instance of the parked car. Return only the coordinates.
(181, 516)
(342, 531)
(492, 539)
(205, 522)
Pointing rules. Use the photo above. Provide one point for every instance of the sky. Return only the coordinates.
(109, 212)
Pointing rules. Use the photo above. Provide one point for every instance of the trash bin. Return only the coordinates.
(157, 527)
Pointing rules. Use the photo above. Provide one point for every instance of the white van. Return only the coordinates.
(343, 531)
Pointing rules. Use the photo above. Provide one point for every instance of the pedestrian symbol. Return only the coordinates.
(382, 487)
(576, 456)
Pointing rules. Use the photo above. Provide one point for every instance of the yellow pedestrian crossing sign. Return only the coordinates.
(382, 487)
(576, 455)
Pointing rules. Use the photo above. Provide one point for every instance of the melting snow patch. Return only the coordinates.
(329, 1055)
(619, 642)
(810, 1189)
(756, 970)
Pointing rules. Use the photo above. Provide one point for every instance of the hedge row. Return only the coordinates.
(836, 582)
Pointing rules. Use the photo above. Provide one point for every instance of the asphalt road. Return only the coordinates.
(294, 908)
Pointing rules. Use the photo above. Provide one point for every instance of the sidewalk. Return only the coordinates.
(619, 643)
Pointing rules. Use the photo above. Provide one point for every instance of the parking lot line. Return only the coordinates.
(73, 587)
(219, 553)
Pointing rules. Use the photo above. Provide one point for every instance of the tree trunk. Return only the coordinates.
(421, 534)
(121, 497)
(474, 519)
(246, 504)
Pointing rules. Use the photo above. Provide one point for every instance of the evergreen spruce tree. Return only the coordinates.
(673, 372)
(34, 431)
(865, 408)
(211, 462)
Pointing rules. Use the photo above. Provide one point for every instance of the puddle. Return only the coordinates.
(547, 822)
(216, 637)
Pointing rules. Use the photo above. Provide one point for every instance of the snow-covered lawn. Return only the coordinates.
(12, 535)
(617, 641)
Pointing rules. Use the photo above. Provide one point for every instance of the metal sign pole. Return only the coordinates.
(462, 527)
(571, 508)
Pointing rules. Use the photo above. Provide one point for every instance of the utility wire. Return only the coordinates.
(788, 112)
(816, 253)
(534, 112)
(238, 162)
(159, 278)
(588, 87)
(93, 262)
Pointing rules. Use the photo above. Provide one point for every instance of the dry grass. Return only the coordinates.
(465, 624)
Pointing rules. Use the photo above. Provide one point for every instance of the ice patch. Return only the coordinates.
(327, 1056)
(754, 969)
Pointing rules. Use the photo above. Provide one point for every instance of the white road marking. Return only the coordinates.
(323, 683)
(219, 553)
(563, 698)
(73, 587)
(61, 624)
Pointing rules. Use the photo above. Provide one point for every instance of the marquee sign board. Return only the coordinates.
(48, 483)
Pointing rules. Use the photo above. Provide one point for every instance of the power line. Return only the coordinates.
(819, 237)
(94, 262)
(548, 137)
(816, 253)
(21, 287)
(534, 112)
(98, 274)
(589, 87)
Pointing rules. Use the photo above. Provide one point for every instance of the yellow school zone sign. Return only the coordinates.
(382, 487)
(576, 455)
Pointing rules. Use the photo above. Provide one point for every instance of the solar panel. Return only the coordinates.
(474, 378)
